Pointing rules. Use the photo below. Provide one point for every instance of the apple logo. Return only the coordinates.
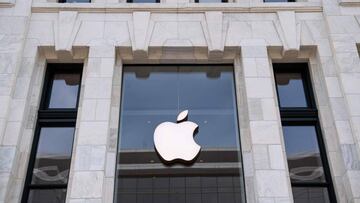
(176, 140)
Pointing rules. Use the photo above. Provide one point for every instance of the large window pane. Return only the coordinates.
(47, 196)
(209, 1)
(310, 195)
(53, 155)
(64, 90)
(303, 154)
(291, 89)
(143, 1)
(74, 1)
(155, 94)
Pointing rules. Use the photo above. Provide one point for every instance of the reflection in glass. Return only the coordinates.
(291, 90)
(53, 155)
(303, 155)
(155, 94)
(310, 195)
(77, 1)
(192, 189)
(64, 91)
(210, 1)
(144, 1)
(279, 1)
(47, 196)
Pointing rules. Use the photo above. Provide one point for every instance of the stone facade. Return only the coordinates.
(250, 34)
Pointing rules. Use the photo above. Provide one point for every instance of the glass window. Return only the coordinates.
(47, 196)
(155, 94)
(49, 165)
(64, 90)
(74, 1)
(290, 88)
(143, 1)
(310, 177)
(303, 154)
(278, 1)
(210, 1)
(310, 195)
(53, 155)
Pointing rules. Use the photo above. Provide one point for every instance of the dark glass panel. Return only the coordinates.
(144, 1)
(47, 196)
(210, 1)
(278, 1)
(64, 90)
(291, 90)
(53, 155)
(310, 195)
(303, 155)
(156, 94)
(179, 189)
(76, 1)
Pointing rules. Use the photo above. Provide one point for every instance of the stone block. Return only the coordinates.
(265, 132)
(92, 133)
(97, 88)
(87, 184)
(276, 154)
(259, 87)
(333, 87)
(88, 158)
(11, 133)
(272, 183)
(261, 157)
(344, 132)
(7, 155)
(353, 102)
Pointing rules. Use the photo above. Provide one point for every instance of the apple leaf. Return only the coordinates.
(182, 115)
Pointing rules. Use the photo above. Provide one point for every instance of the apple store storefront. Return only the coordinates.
(178, 136)
(168, 165)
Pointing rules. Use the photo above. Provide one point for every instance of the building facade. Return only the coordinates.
(273, 87)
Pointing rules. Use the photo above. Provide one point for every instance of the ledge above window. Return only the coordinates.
(178, 8)
(7, 3)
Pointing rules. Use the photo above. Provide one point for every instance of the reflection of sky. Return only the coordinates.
(55, 141)
(63, 95)
(300, 140)
(291, 90)
(149, 101)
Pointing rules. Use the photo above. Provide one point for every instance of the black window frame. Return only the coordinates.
(65, 1)
(287, 1)
(305, 116)
(215, 158)
(51, 117)
(131, 1)
(222, 1)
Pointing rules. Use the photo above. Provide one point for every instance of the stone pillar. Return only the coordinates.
(271, 177)
(87, 174)
(14, 20)
(344, 93)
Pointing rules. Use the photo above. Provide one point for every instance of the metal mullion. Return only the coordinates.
(47, 186)
(310, 184)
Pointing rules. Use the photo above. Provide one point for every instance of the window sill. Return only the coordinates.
(182, 8)
(7, 3)
(350, 3)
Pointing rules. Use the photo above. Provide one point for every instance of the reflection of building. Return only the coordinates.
(275, 74)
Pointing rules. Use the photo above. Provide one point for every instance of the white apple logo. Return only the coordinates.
(176, 140)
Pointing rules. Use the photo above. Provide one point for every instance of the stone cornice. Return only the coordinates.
(178, 8)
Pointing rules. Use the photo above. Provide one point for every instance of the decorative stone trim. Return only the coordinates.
(178, 8)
